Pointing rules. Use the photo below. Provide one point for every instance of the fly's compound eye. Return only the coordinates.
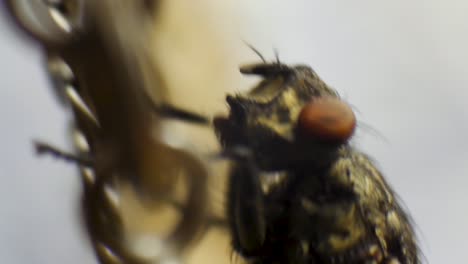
(327, 119)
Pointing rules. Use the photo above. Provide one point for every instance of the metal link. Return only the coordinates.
(51, 22)
(96, 70)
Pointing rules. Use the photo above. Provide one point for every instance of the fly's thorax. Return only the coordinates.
(324, 213)
(357, 171)
(335, 226)
(386, 223)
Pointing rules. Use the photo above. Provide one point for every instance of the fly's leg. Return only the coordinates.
(245, 204)
(44, 148)
(170, 111)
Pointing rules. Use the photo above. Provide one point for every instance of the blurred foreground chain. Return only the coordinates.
(99, 61)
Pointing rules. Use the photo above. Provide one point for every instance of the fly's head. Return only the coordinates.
(290, 117)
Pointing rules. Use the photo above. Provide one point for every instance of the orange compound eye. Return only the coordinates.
(327, 119)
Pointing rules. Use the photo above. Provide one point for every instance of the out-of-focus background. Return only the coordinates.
(402, 64)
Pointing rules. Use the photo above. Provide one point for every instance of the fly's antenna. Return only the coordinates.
(256, 51)
(275, 50)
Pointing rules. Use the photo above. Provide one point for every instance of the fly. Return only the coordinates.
(298, 192)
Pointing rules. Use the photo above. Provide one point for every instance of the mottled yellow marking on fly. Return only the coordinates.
(290, 101)
(376, 175)
(393, 220)
(347, 221)
(266, 90)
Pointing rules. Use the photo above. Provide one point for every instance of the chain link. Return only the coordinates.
(96, 72)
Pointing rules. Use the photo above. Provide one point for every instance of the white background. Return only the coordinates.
(403, 64)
